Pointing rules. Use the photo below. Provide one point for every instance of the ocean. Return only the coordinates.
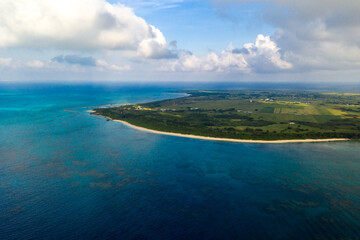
(65, 174)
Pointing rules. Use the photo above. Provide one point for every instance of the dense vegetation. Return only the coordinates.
(264, 115)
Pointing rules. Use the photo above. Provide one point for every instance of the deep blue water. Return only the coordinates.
(69, 175)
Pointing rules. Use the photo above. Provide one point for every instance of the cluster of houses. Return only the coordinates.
(167, 110)
(139, 108)
(272, 100)
(264, 99)
(244, 111)
(267, 100)
(173, 110)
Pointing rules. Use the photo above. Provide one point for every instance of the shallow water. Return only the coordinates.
(69, 175)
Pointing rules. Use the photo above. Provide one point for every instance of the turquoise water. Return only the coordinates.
(69, 175)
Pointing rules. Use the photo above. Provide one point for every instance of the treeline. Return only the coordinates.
(201, 124)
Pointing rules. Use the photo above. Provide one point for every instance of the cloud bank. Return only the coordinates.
(87, 62)
(310, 35)
(69, 63)
(261, 56)
(75, 59)
(314, 34)
(79, 25)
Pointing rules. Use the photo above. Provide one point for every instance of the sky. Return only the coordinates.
(180, 40)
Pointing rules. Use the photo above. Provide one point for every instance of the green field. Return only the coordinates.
(267, 115)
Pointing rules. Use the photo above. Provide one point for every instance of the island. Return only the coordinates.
(247, 116)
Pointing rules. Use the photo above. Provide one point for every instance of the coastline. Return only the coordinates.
(225, 139)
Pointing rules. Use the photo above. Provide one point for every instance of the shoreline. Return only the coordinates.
(225, 139)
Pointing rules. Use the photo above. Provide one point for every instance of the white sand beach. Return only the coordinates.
(230, 139)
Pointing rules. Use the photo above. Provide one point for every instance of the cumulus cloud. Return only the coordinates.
(156, 50)
(88, 62)
(78, 25)
(314, 34)
(261, 56)
(157, 5)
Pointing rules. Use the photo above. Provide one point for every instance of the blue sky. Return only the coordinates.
(200, 27)
(179, 40)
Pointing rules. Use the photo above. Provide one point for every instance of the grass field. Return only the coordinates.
(264, 115)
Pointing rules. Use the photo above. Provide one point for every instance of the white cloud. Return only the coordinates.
(5, 62)
(68, 63)
(261, 56)
(264, 55)
(314, 34)
(78, 25)
(153, 4)
(114, 67)
(225, 61)
(81, 61)
(35, 64)
(155, 48)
